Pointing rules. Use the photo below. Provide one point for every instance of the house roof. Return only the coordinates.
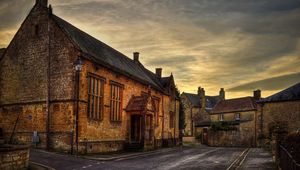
(105, 55)
(234, 105)
(211, 101)
(2, 50)
(289, 94)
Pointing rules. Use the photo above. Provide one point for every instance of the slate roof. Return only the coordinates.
(235, 105)
(137, 103)
(289, 94)
(105, 55)
(211, 101)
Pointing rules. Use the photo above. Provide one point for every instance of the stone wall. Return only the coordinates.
(232, 138)
(244, 135)
(286, 113)
(14, 157)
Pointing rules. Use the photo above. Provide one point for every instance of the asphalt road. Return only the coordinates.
(181, 158)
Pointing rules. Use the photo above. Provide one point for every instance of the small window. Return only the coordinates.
(116, 95)
(221, 117)
(95, 98)
(237, 116)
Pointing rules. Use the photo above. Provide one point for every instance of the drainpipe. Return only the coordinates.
(78, 67)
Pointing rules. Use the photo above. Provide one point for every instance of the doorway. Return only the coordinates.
(136, 128)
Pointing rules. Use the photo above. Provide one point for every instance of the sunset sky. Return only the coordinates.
(238, 45)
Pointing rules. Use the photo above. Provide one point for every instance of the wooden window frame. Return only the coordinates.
(116, 101)
(95, 94)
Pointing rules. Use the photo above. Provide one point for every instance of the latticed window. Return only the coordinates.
(95, 97)
(116, 92)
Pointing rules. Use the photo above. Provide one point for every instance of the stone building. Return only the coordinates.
(280, 112)
(239, 115)
(65, 90)
(196, 110)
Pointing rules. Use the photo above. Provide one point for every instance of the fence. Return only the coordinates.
(286, 161)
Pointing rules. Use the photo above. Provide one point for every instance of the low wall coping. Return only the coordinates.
(9, 148)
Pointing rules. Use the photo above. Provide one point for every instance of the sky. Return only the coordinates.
(238, 45)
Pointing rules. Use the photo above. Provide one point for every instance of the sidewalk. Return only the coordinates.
(260, 159)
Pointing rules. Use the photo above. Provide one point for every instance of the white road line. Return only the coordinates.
(236, 159)
(189, 159)
(245, 156)
(42, 165)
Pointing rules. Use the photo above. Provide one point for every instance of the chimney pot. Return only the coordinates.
(136, 56)
(158, 72)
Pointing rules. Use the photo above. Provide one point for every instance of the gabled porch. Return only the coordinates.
(140, 123)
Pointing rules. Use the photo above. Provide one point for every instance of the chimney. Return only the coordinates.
(136, 56)
(257, 94)
(50, 10)
(42, 3)
(201, 94)
(222, 94)
(158, 72)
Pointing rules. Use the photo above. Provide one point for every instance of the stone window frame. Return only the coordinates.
(156, 112)
(116, 101)
(95, 94)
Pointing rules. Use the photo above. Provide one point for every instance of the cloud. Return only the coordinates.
(274, 83)
(211, 44)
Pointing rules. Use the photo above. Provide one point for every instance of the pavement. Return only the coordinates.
(186, 157)
(258, 159)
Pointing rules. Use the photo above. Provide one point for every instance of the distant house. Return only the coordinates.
(280, 112)
(196, 110)
(239, 113)
(65, 90)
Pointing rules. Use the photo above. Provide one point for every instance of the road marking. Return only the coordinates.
(238, 158)
(87, 166)
(184, 161)
(243, 159)
(42, 165)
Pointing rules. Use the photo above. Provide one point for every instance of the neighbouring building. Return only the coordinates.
(279, 112)
(196, 111)
(234, 122)
(65, 90)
